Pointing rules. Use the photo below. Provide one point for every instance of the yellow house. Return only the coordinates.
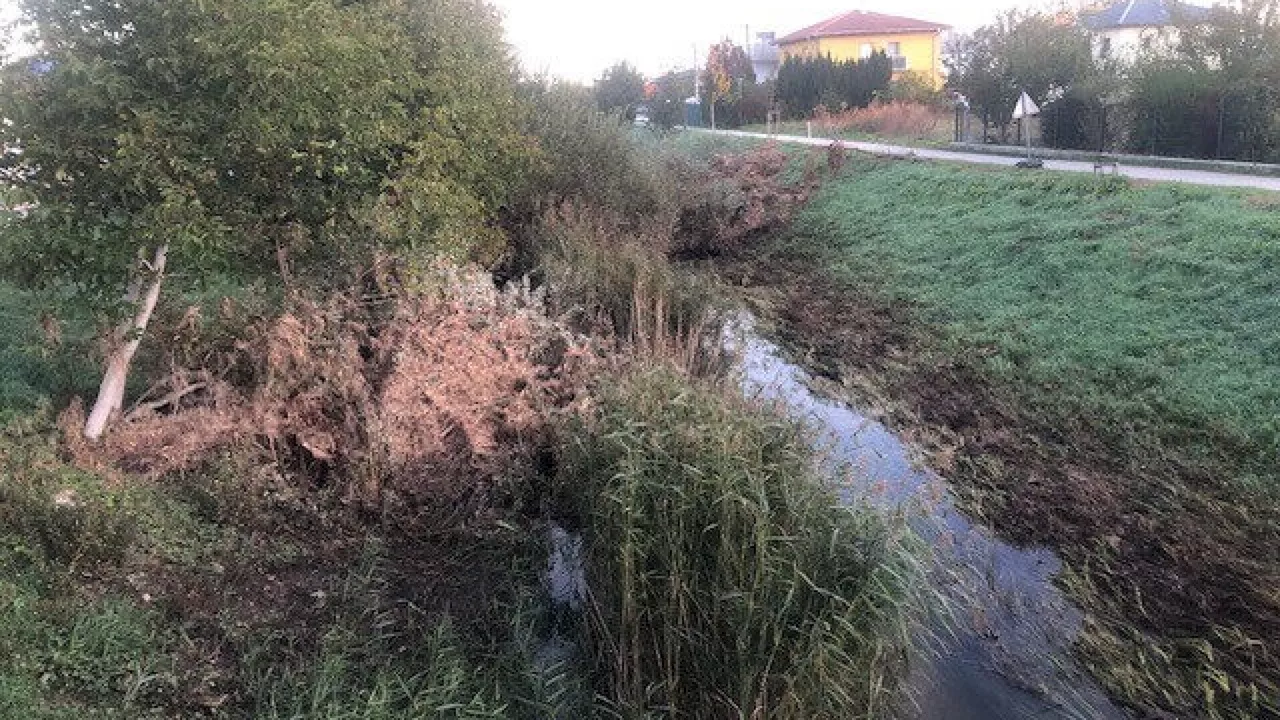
(912, 45)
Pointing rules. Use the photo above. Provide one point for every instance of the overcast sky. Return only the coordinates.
(577, 39)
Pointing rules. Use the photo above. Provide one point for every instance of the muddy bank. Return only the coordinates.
(1175, 596)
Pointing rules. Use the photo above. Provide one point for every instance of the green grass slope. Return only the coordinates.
(1158, 305)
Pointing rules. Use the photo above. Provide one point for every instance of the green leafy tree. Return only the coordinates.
(1233, 59)
(251, 138)
(671, 91)
(725, 80)
(1021, 51)
(620, 90)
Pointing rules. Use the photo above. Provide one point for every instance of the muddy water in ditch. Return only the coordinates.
(1004, 650)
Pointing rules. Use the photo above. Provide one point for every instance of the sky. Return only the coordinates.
(578, 39)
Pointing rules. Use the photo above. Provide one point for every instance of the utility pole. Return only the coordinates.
(696, 84)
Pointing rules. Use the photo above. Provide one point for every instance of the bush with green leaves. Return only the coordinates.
(1215, 94)
(283, 139)
(587, 157)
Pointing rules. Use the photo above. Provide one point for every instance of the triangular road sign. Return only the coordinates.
(1026, 107)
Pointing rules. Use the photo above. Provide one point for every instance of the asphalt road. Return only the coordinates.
(1137, 172)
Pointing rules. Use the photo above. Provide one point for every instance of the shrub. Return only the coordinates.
(725, 580)
(914, 87)
(743, 196)
(588, 157)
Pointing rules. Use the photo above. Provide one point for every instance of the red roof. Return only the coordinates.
(862, 23)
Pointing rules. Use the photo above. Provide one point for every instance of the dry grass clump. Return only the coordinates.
(618, 283)
(744, 196)
(895, 119)
(401, 396)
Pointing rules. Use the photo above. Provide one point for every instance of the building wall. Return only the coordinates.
(803, 48)
(1130, 42)
(923, 51)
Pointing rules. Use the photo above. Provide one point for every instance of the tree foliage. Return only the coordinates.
(1218, 93)
(255, 136)
(726, 79)
(620, 90)
(666, 107)
(1021, 51)
(804, 84)
(276, 138)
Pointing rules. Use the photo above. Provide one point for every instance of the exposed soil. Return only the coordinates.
(1178, 578)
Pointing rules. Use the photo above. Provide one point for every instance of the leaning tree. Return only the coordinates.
(179, 140)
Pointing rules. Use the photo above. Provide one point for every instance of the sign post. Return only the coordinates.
(1022, 112)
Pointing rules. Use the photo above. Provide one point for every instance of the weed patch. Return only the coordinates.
(725, 580)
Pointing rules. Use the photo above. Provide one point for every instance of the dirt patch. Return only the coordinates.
(1178, 576)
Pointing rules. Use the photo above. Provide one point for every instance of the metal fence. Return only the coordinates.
(1218, 129)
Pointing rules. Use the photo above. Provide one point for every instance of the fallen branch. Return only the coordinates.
(170, 399)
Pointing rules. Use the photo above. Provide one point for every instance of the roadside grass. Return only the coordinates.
(1157, 305)
(1103, 360)
(726, 579)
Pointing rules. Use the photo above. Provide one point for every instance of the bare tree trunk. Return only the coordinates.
(111, 393)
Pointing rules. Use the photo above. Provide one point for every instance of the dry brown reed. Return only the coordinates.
(423, 393)
(894, 119)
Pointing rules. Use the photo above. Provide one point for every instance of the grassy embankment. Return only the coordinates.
(264, 580)
(1097, 366)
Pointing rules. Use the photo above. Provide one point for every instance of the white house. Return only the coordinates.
(1127, 28)
(764, 56)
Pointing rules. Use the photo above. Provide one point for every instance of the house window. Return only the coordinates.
(867, 50)
(899, 60)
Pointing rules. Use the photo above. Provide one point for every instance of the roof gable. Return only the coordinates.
(858, 22)
(1142, 13)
